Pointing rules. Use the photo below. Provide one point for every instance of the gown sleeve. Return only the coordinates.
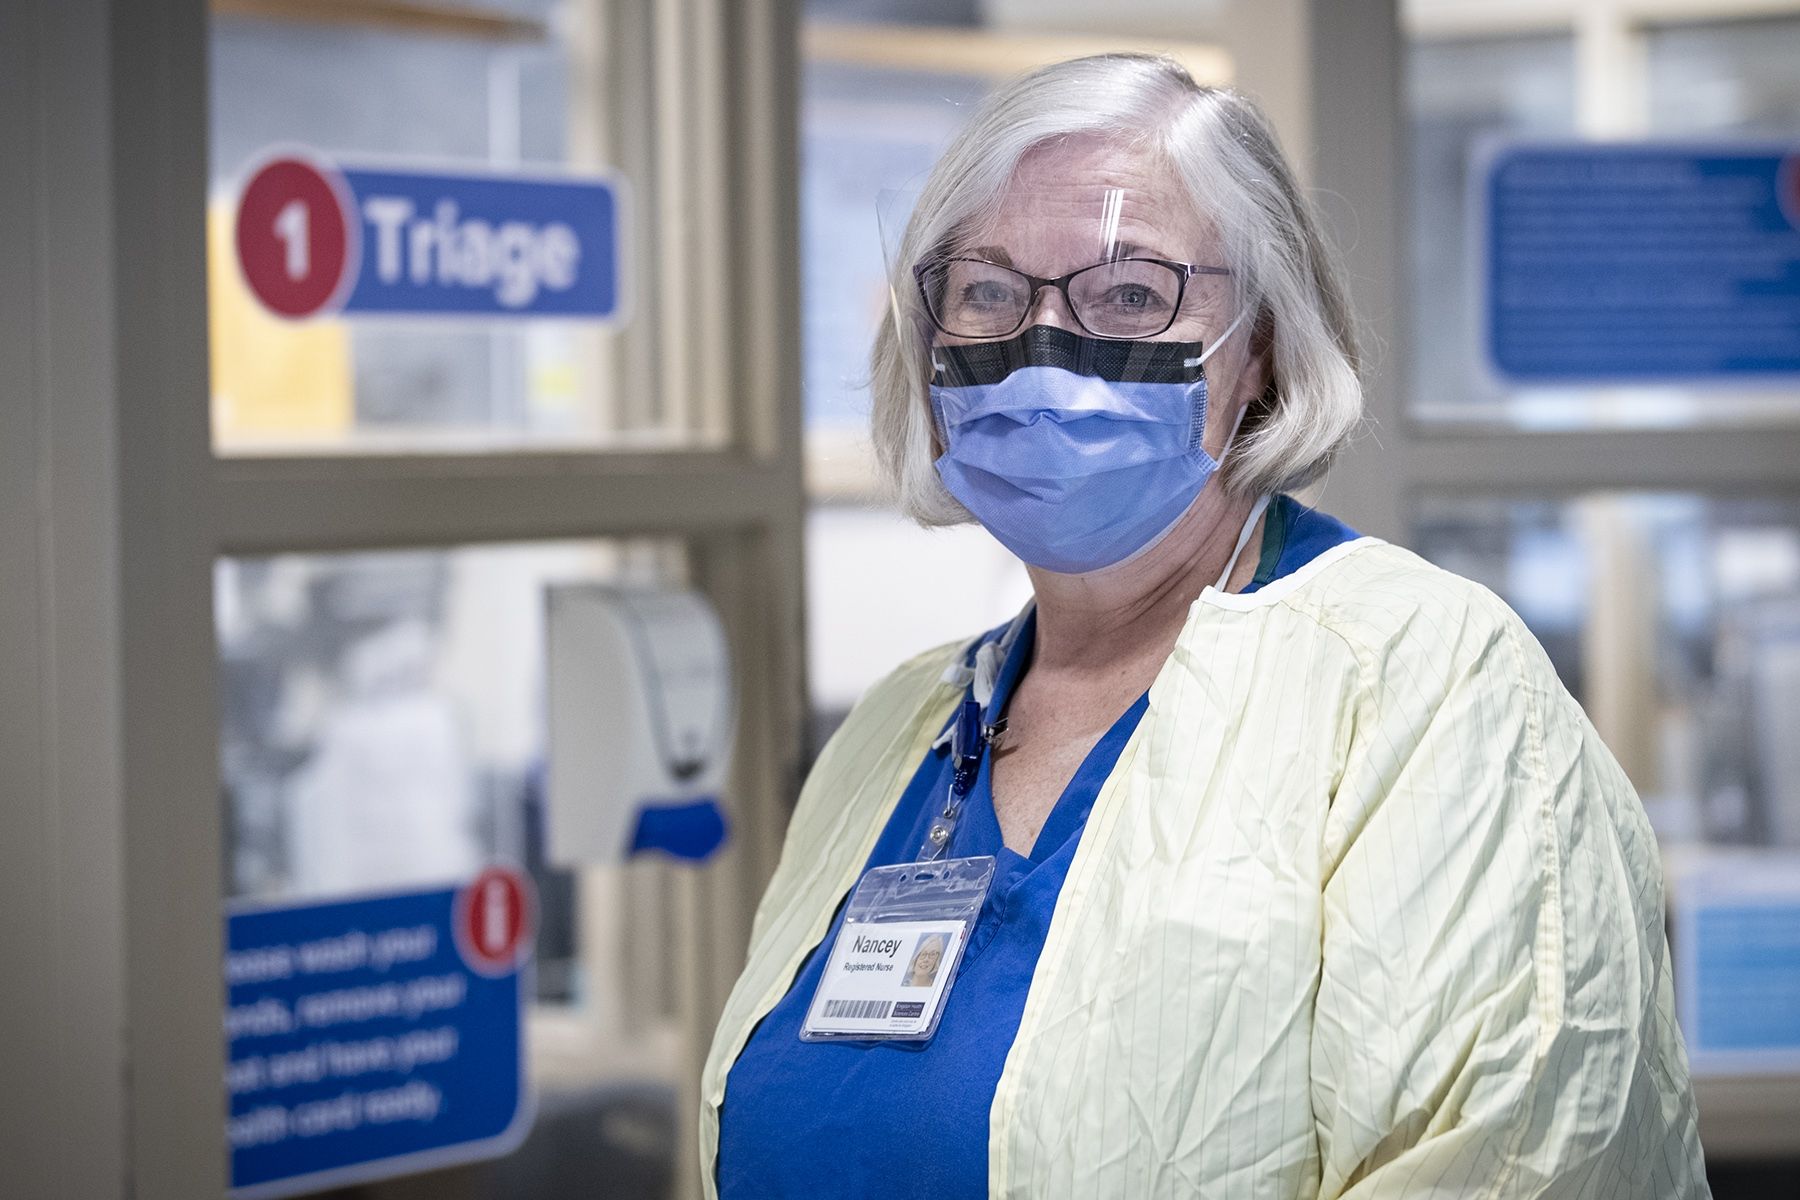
(883, 719)
(1494, 1016)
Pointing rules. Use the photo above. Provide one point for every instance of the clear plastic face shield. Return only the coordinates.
(1104, 264)
(1079, 343)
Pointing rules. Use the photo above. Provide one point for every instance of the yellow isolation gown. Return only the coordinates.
(1364, 910)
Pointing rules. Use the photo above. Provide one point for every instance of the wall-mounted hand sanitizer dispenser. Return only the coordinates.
(640, 714)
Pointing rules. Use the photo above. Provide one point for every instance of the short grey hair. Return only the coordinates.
(1224, 151)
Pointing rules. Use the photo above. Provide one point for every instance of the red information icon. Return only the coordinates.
(493, 921)
(295, 238)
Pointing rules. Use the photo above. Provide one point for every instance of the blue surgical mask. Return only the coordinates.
(1076, 453)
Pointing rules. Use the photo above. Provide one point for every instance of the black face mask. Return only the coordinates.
(1116, 361)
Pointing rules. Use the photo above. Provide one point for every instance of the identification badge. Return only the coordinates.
(895, 958)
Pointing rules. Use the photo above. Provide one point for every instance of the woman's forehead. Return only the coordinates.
(1075, 202)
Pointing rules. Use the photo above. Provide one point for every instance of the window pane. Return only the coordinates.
(383, 731)
(1735, 78)
(1461, 96)
(1675, 619)
(867, 128)
(1722, 80)
(436, 96)
(863, 129)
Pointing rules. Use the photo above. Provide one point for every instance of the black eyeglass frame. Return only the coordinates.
(1184, 271)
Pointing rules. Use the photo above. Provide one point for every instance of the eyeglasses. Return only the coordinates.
(1123, 298)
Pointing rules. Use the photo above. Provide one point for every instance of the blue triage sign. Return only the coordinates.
(484, 245)
(365, 1039)
(1642, 263)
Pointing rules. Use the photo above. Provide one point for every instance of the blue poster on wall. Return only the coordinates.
(1642, 263)
(376, 1036)
(1736, 938)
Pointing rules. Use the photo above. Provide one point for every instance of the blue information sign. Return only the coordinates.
(316, 238)
(376, 1036)
(485, 245)
(1748, 978)
(1642, 263)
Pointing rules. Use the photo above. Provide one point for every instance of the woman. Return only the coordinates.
(922, 972)
(1308, 878)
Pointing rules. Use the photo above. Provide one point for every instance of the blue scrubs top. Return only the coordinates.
(900, 1119)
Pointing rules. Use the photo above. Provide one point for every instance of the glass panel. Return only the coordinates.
(863, 129)
(1722, 80)
(882, 589)
(454, 90)
(1462, 95)
(1735, 78)
(1735, 81)
(383, 731)
(1675, 619)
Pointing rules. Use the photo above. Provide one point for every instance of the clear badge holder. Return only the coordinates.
(897, 954)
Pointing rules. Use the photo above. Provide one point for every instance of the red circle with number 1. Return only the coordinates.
(294, 237)
(493, 921)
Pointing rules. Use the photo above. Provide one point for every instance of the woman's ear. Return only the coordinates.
(1259, 371)
(938, 449)
(1258, 389)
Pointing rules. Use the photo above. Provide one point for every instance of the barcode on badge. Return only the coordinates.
(858, 1010)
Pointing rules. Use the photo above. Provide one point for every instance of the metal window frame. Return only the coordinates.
(116, 508)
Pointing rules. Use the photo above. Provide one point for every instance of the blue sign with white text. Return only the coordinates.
(1643, 263)
(484, 245)
(376, 1036)
(1747, 979)
(315, 238)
